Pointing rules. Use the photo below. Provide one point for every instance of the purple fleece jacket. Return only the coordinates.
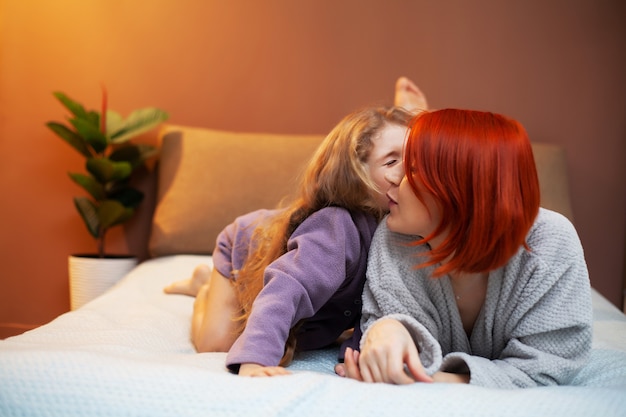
(319, 280)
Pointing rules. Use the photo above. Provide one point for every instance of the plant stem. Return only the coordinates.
(101, 244)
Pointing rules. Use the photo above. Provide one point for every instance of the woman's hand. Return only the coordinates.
(253, 369)
(387, 350)
(350, 366)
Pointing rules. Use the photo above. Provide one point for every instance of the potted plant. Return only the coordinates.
(103, 138)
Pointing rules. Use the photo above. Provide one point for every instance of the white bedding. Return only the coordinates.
(128, 353)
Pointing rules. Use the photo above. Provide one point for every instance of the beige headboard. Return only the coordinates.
(208, 177)
(553, 179)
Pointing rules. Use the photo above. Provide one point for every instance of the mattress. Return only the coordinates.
(128, 353)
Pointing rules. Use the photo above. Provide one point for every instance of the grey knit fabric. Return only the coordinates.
(535, 324)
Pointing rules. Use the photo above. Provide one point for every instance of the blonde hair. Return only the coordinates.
(336, 175)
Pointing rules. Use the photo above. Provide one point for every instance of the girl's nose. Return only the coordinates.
(395, 174)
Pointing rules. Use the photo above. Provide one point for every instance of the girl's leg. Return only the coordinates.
(409, 96)
(213, 328)
(201, 275)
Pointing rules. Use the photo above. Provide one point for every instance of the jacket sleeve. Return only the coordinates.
(234, 242)
(297, 285)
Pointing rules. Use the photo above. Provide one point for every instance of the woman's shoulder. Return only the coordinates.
(552, 226)
(553, 235)
(555, 260)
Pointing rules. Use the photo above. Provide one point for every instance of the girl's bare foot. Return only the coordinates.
(409, 96)
(190, 286)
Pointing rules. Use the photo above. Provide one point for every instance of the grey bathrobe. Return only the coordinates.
(534, 327)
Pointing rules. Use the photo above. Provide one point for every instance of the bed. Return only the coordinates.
(127, 352)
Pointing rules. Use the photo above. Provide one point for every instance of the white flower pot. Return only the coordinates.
(91, 276)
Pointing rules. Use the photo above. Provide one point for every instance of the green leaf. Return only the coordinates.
(105, 170)
(91, 133)
(88, 212)
(112, 212)
(89, 184)
(71, 137)
(74, 107)
(115, 122)
(127, 196)
(138, 122)
(77, 109)
(134, 154)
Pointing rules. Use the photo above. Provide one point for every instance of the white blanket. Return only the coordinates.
(128, 353)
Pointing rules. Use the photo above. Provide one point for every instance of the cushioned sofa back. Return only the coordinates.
(208, 177)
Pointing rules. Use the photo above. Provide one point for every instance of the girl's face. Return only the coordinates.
(408, 215)
(385, 160)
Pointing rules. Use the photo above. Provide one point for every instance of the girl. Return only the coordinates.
(468, 279)
(294, 276)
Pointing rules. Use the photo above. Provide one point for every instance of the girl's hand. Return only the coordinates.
(387, 350)
(253, 369)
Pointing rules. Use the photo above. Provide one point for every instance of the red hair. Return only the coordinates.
(480, 169)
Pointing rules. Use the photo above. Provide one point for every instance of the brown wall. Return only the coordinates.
(296, 67)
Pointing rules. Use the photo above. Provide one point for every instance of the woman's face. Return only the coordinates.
(385, 160)
(408, 215)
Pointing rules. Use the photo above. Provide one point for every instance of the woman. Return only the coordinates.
(469, 280)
